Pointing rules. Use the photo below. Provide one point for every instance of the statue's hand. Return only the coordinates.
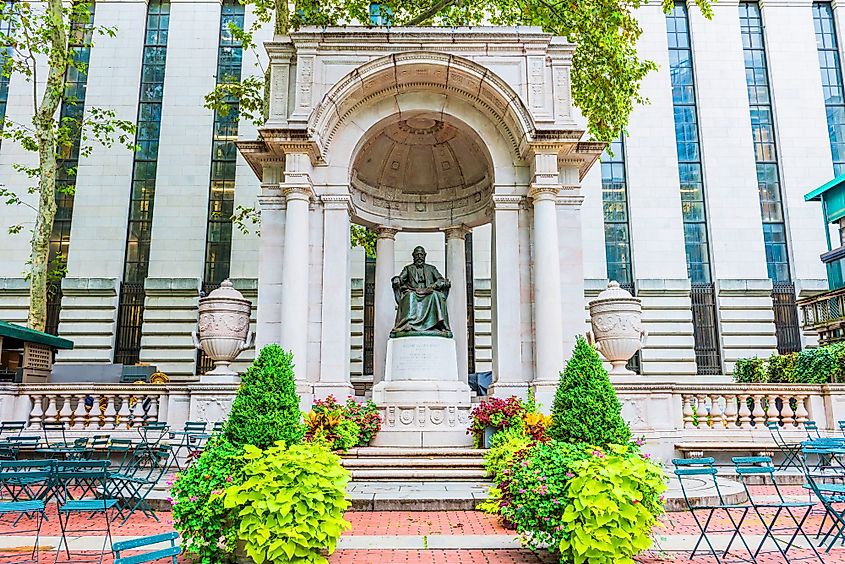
(395, 282)
(424, 291)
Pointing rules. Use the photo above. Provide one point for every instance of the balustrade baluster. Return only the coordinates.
(36, 414)
(730, 411)
(687, 411)
(125, 413)
(801, 413)
(772, 412)
(758, 414)
(110, 415)
(51, 414)
(66, 412)
(744, 412)
(152, 410)
(80, 414)
(702, 412)
(786, 411)
(716, 414)
(138, 411)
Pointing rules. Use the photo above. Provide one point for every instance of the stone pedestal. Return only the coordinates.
(422, 400)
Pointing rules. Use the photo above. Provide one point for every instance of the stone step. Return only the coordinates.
(384, 495)
(405, 452)
(413, 462)
(412, 473)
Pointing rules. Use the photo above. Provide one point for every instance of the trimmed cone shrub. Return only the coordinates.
(586, 409)
(266, 408)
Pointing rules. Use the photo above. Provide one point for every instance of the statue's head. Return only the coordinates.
(419, 256)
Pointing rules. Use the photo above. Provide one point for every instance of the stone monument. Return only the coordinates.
(423, 401)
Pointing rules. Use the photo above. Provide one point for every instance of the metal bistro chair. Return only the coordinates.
(23, 480)
(841, 424)
(747, 466)
(791, 451)
(12, 427)
(170, 552)
(812, 430)
(827, 485)
(133, 487)
(94, 474)
(701, 468)
(32, 508)
(57, 428)
(188, 438)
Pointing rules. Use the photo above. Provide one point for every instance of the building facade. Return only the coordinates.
(697, 208)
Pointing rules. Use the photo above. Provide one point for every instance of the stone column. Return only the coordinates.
(294, 329)
(270, 251)
(337, 300)
(385, 303)
(457, 303)
(505, 293)
(548, 325)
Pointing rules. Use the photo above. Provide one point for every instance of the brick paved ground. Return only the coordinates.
(372, 530)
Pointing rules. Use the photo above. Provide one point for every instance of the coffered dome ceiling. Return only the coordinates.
(422, 168)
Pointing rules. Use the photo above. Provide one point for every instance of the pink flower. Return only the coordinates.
(646, 456)
(522, 491)
(639, 442)
(569, 475)
(598, 454)
(194, 498)
(229, 479)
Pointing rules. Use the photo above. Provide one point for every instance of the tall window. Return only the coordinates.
(617, 237)
(221, 201)
(694, 214)
(765, 147)
(688, 145)
(831, 68)
(137, 261)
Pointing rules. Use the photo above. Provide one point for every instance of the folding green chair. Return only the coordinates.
(170, 552)
(828, 494)
(761, 466)
(29, 508)
(12, 427)
(24, 480)
(699, 469)
(790, 451)
(812, 430)
(133, 489)
(93, 473)
(56, 429)
(188, 437)
(841, 424)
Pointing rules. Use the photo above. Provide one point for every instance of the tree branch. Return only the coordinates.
(430, 12)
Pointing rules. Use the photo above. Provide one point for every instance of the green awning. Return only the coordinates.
(817, 193)
(32, 336)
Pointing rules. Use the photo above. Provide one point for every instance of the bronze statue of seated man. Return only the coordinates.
(421, 293)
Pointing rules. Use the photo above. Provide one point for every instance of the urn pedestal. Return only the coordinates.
(223, 331)
(617, 330)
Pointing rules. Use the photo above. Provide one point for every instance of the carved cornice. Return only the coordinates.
(337, 202)
(506, 202)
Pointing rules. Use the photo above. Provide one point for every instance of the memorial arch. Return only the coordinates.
(418, 142)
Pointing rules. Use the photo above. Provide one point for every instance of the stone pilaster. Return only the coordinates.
(385, 303)
(507, 358)
(457, 302)
(270, 252)
(336, 303)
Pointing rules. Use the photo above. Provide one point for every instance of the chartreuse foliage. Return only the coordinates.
(208, 532)
(612, 503)
(504, 448)
(291, 504)
(586, 409)
(266, 408)
(821, 365)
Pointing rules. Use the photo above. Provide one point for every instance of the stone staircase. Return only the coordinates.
(415, 464)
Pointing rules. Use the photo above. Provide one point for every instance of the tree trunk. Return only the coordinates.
(45, 132)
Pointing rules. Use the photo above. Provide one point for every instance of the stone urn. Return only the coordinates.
(617, 330)
(223, 330)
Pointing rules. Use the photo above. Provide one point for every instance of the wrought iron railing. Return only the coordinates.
(825, 314)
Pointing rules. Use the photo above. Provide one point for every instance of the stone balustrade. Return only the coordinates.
(745, 407)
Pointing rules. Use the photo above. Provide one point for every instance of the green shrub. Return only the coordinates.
(329, 423)
(290, 505)
(266, 408)
(208, 529)
(533, 494)
(586, 409)
(504, 448)
(612, 504)
(750, 371)
(781, 369)
(817, 366)
(366, 416)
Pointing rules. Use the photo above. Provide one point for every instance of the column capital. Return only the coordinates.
(303, 193)
(509, 202)
(457, 232)
(337, 202)
(383, 232)
(541, 192)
